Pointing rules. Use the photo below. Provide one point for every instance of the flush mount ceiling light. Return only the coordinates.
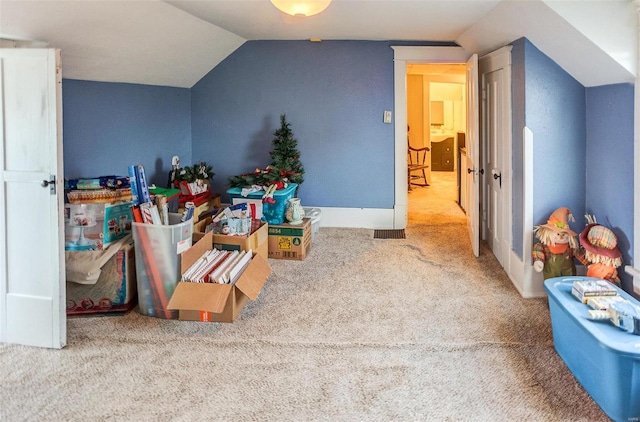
(301, 7)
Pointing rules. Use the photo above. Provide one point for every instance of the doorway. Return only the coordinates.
(436, 118)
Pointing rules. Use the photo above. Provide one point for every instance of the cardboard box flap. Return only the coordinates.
(191, 255)
(254, 276)
(209, 297)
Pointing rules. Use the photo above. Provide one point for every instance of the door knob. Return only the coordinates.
(497, 176)
(469, 170)
(51, 184)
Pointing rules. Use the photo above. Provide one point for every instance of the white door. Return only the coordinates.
(473, 155)
(32, 283)
(493, 161)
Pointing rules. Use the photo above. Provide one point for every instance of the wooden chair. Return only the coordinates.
(417, 163)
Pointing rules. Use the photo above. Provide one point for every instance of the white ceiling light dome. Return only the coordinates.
(301, 7)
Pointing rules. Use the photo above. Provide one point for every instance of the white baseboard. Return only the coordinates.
(527, 281)
(368, 218)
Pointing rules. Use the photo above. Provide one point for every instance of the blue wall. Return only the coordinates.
(109, 126)
(609, 165)
(583, 147)
(556, 114)
(333, 93)
(551, 103)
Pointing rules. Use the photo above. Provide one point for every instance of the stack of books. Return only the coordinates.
(585, 289)
(217, 266)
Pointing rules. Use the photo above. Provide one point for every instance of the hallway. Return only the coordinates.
(436, 201)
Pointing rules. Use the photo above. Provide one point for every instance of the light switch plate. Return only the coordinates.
(387, 116)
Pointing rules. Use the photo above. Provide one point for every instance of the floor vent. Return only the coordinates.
(389, 234)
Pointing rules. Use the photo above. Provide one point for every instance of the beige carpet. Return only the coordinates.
(364, 329)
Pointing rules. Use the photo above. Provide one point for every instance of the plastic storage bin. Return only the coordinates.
(314, 214)
(271, 213)
(602, 357)
(158, 248)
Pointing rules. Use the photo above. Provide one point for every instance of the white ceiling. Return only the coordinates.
(177, 42)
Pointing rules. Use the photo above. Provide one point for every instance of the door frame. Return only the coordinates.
(402, 55)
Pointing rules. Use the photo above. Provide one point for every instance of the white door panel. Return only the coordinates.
(495, 70)
(492, 124)
(32, 285)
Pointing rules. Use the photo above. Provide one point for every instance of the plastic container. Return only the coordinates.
(271, 213)
(314, 214)
(604, 359)
(158, 248)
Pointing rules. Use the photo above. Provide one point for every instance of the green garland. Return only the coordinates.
(202, 171)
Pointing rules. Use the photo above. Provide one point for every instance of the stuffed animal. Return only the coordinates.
(599, 251)
(554, 254)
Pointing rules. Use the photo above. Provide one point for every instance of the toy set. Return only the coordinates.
(596, 247)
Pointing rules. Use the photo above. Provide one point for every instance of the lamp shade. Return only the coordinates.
(301, 7)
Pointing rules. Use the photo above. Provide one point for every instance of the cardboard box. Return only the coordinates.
(287, 241)
(604, 359)
(256, 241)
(204, 207)
(212, 302)
(113, 293)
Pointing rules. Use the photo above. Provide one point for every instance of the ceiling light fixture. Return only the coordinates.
(301, 8)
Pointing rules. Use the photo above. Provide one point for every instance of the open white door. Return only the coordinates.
(32, 281)
(473, 155)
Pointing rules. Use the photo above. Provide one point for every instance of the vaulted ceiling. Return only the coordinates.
(176, 43)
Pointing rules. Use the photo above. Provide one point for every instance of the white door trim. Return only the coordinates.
(402, 55)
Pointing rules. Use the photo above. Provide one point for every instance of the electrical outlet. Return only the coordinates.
(387, 116)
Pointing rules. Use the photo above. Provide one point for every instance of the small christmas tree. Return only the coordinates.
(285, 168)
(285, 154)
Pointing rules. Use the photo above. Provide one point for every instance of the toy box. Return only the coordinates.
(271, 213)
(288, 241)
(213, 302)
(104, 223)
(113, 293)
(603, 358)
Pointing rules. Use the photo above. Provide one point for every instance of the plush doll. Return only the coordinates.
(554, 254)
(599, 251)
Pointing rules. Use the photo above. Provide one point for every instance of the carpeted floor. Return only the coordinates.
(364, 329)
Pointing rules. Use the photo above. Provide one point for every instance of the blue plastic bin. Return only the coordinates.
(604, 359)
(271, 213)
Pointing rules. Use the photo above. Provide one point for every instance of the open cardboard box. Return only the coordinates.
(256, 241)
(212, 302)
